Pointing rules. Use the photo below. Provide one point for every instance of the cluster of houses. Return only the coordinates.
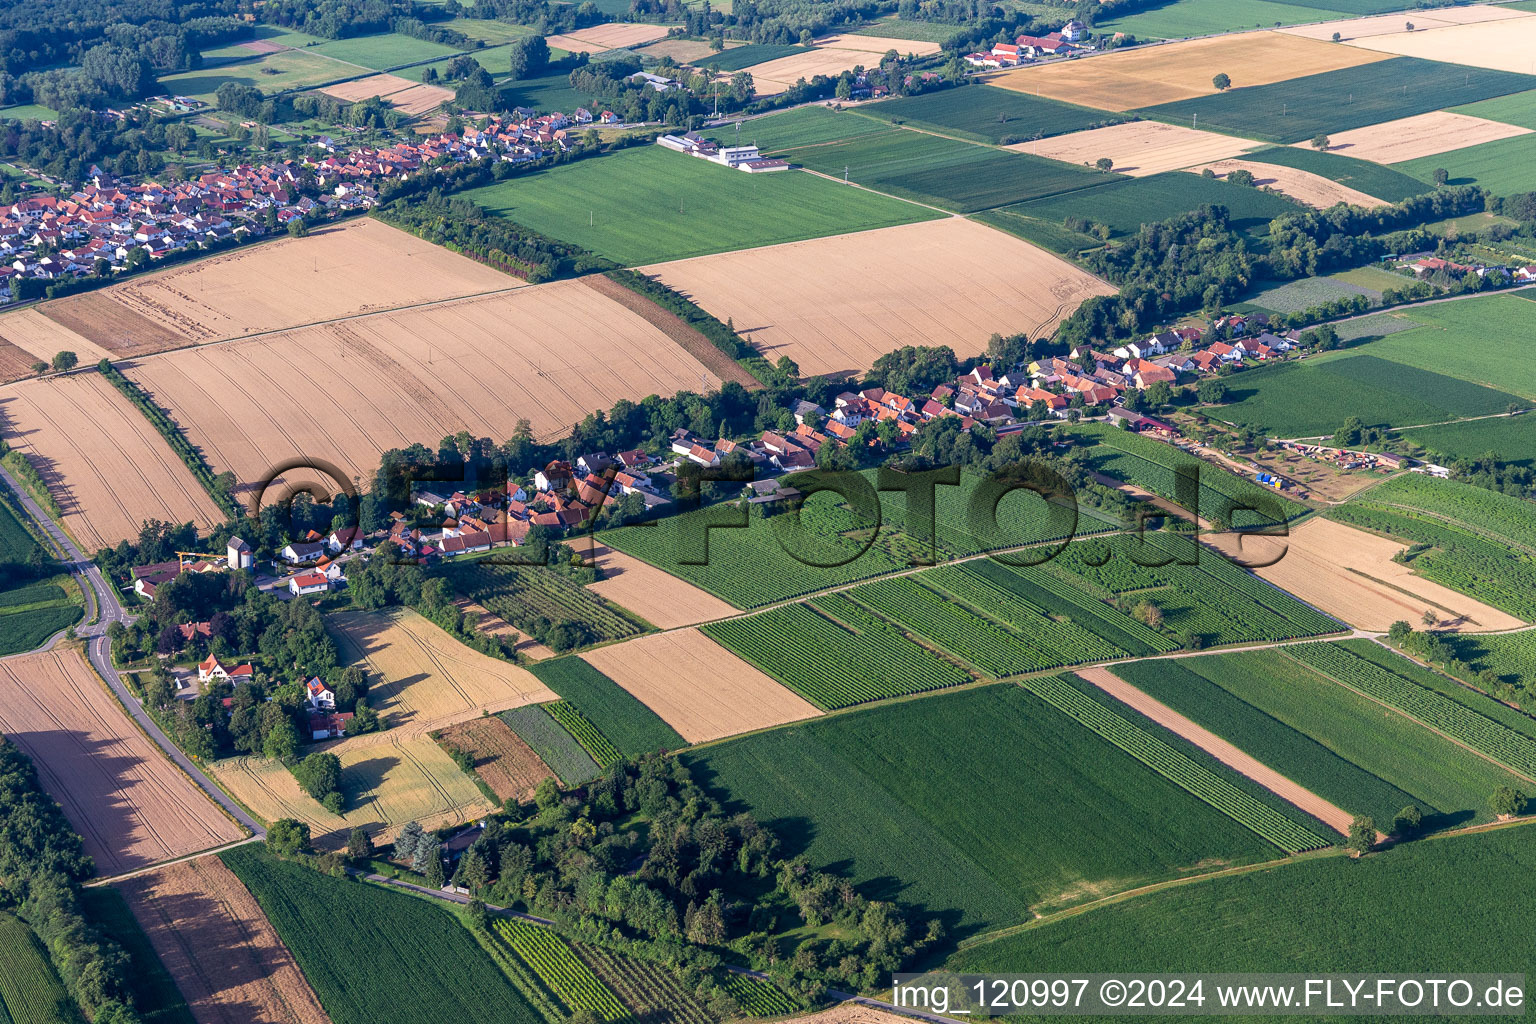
(48, 238)
(1072, 38)
(742, 158)
(1424, 264)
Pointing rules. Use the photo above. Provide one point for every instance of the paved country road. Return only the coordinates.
(98, 649)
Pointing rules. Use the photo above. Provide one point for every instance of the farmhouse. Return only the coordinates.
(309, 583)
(212, 669)
(742, 158)
(302, 551)
(331, 725)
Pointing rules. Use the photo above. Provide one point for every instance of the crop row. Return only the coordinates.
(1456, 720)
(29, 989)
(1503, 516)
(1064, 643)
(556, 747)
(1175, 766)
(758, 998)
(559, 968)
(518, 593)
(650, 990)
(990, 647)
(587, 734)
(1055, 595)
(856, 659)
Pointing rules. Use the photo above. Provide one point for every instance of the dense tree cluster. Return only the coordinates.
(41, 867)
(79, 138)
(339, 19)
(166, 33)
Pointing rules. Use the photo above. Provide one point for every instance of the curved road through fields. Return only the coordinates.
(98, 649)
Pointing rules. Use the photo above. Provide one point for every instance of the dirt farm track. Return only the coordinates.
(132, 807)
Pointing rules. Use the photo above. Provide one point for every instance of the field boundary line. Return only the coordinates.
(1417, 721)
(136, 872)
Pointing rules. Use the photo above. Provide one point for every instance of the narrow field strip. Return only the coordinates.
(572, 981)
(1174, 766)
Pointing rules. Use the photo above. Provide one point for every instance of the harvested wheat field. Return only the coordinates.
(831, 56)
(421, 678)
(507, 764)
(336, 271)
(1409, 138)
(1504, 45)
(656, 596)
(835, 305)
(359, 89)
(387, 779)
(618, 35)
(30, 336)
(216, 942)
(1302, 186)
(1145, 76)
(853, 1013)
(1391, 24)
(1139, 148)
(1349, 574)
(684, 51)
(419, 99)
(132, 807)
(1332, 815)
(106, 466)
(698, 687)
(414, 375)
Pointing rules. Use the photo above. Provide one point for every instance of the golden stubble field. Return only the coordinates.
(698, 687)
(1349, 574)
(1146, 76)
(132, 806)
(549, 353)
(835, 305)
(1140, 148)
(421, 680)
(214, 939)
(1302, 186)
(1409, 138)
(104, 464)
(336, 271)
(830, 56)
(1352, 29)
(655, 595)
(27, 336)
(1506, 44)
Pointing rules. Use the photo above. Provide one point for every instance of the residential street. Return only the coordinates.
(98, 648)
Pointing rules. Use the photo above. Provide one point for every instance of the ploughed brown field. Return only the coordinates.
(1135, 77)
(338, 270)
(1349, 574)
(698, 687)
(26, 337)
(216, 942)
(104, 464)
(507, 764)
(132, 806)
(835, 305)
(549, 353)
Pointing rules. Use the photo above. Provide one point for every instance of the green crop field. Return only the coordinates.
(997, 592)
(1468, 643)
(271, 73)
(519, 593)
(16, 543)
(649, 989)
(1362, 915)
(383, 51)
(1518, 108)
(754, 566)
(30, 991)
(497, 61)
(1372, 179)
(1336, 101)
(375, 956)
(1199, 595)
(922, 31)
(1452, 717)
(1501, 518)
(739, 57)
(1324, 737)
(584, 732)
(959, 176)
(840, 657)
(29, 615)
(1510, 439)
(491, 32)
(891, 795)
(1030, 590)
(648, 205)
(1182, 18)
(1314, 396)
(1503, 167)
(802, 126)
(551, 91)
(1304, 293)
(986, 113)
(1154, 465)
(558, 967)
(1511, 658)
(631, 726)
(1125, 205)
(154, 991)
(555, 745)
